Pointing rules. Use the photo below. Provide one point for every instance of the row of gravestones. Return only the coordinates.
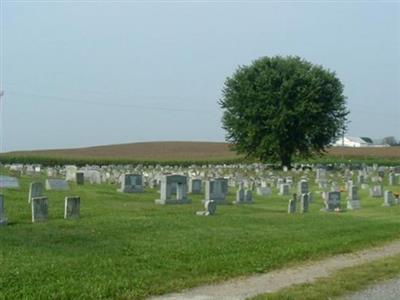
(39, 204)
(40, 209)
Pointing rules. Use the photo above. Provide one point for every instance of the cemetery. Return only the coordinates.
(135, 231)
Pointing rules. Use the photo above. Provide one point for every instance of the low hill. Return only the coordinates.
(142, 151)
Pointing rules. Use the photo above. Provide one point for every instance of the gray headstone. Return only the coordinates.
(36, 189)
(353, 201)
(376, 191)
(72, 207)
(332, 201)
(7, 182)
(248, 196)
(57, 185)
(388, 199)
(292, 205)
(168, 184)
(80, 178)
(40, 209)
(304, 202)
(284, 189)
(3, 220)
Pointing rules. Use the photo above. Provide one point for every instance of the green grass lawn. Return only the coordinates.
(126, 247)
(341, 283)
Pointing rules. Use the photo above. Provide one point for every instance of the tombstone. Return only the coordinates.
(353, 201)
(320, 175)
(332, 201)
(216, 189)
(131, 183)
(168, 182)
(392, 179)
(376, 191)
(381, 173)
(360, 179)
(35, 190)
(302, 187)
(7, 182)
(70, 173)
(3, 220)
(56, 185)
(40, 209)
(388, 199)
(72, 207)
(248, 196)
(263, 191)
(292, 205)
(210, 206)
(239, 196)
(80, 178)
(195, 186)
(284, 189)
(304, 202)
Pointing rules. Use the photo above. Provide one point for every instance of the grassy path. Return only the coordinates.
(273, 281)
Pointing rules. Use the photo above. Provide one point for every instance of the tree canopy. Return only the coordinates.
(282, 106)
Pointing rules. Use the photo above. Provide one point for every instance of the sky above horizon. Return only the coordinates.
(88, 73)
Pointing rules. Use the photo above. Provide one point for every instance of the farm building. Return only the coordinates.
(349, 141)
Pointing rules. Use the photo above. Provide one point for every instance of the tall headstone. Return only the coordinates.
(284, 189)
(72, 206)
(36, 189)
(216, 189)
(195, 186)
(70, 173)
(248, 196)
(170, 183)
(3, 220)
(332, 201)
(353, 201)
(392, 179)
(388, 199)
(292, 205)
(302, 187)
(40, 209)
(80, 178)
(304, 202)
(240, 195)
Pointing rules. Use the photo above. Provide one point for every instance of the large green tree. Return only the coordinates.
(279, 107)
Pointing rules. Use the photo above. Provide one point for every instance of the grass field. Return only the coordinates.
(341, 283)
(187, 151)
(126, 247)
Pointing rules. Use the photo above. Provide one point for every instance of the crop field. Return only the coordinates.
(178, 152)
(126, 247)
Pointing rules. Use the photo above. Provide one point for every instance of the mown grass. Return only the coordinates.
(341, 283)
(126, 247)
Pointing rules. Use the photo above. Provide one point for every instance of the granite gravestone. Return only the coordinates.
(36, 189)
(170, 183)
(7, 182)
(40, 209)
(56, 185)
(72, 207)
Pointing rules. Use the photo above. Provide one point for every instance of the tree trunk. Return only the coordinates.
(286, 160)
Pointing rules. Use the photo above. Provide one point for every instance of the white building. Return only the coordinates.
(349, 141)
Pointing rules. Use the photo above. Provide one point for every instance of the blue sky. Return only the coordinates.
(101, 72)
